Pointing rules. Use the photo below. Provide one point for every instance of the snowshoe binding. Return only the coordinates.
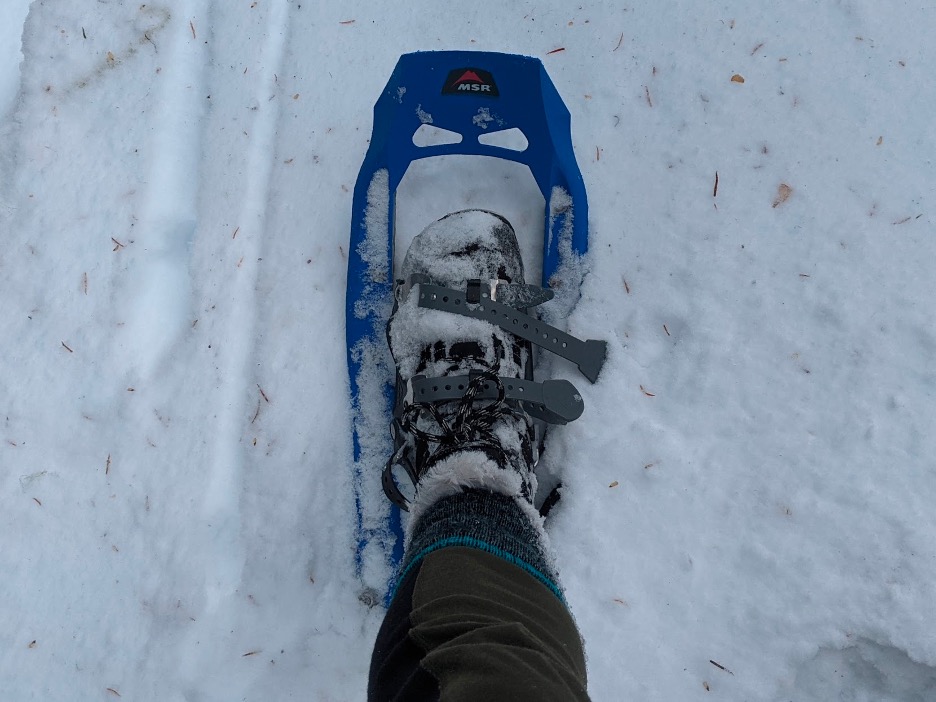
(462, 340)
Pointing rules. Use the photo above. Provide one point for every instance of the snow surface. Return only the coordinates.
(748, 512)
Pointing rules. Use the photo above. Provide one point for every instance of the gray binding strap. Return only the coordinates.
(553, 401)
(588, 355)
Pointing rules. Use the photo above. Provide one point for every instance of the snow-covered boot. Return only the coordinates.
(461, 339)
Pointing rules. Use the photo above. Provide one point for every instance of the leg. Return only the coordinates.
(478, 614)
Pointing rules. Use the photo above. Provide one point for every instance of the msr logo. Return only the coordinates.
(470, 80)
(473, 81)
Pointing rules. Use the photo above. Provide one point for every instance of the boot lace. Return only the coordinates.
(468, 427)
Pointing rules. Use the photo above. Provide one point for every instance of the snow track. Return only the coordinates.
(158, 296)
(238, 333)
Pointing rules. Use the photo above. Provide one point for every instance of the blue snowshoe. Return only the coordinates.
(474, 98)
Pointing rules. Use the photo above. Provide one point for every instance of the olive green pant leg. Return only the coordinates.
(493, 632)
(478, 614)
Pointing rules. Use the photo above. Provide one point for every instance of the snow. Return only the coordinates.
(373, 249)
(751, 486)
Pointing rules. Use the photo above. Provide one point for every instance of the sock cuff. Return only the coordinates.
(488, 521)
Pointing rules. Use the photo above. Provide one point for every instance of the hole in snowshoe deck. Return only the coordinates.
(510, 139)
(430, 135)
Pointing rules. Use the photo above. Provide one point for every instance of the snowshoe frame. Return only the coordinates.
(472, 94)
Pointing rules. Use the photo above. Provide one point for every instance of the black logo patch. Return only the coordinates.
(470, 81)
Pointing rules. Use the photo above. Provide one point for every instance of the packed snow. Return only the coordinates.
(748, 511)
